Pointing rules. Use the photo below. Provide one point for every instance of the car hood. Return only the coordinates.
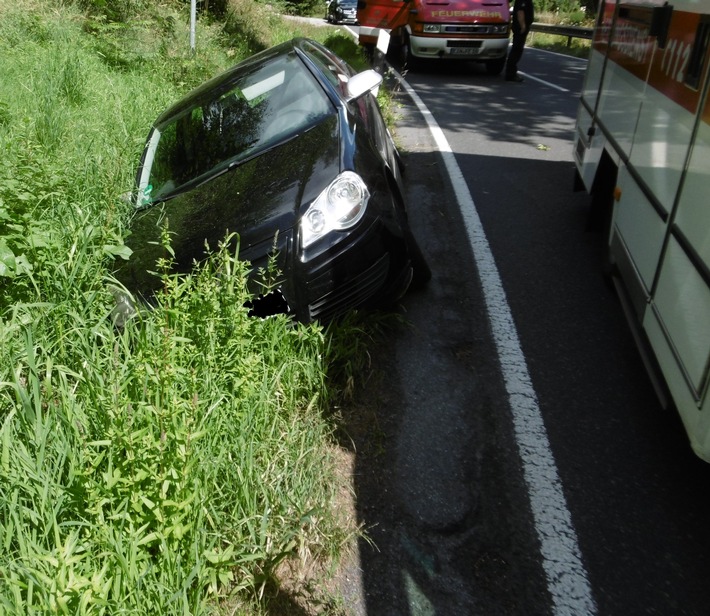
(257, 199)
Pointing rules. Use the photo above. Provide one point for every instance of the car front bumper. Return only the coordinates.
(370, 267)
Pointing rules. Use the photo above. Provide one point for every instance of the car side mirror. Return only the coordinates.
(362, 83)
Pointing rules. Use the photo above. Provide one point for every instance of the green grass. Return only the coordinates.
(170, 466)
(577, 47)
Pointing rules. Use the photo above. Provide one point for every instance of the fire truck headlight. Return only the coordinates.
(432, 28)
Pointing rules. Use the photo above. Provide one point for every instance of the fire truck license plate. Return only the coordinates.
(463, 51)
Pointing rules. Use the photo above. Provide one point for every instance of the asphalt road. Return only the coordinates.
(442, 480)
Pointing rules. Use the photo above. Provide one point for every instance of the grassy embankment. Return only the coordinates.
(167, 468)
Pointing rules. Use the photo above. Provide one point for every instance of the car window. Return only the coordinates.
(251, 112)
(338, 73)
(335, 71)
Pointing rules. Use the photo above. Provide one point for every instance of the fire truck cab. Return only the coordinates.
(476, 30)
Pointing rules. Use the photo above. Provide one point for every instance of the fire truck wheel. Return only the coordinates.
(495, 67)
(408, 59)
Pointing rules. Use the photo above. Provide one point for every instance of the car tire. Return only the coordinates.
(421, 272)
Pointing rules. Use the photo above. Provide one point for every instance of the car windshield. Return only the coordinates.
(245, 115)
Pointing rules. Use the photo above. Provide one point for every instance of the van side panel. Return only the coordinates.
(667, 117)
(641, 228)
(651, 115)
(680, 313)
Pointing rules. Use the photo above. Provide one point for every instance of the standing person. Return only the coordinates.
(523, 16)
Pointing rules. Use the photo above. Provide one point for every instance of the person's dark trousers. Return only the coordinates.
(515, 53)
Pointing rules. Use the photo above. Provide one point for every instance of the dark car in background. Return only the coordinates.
(289, 150)
(341, 12)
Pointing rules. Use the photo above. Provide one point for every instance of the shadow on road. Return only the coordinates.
(437, 474)
(437, 478)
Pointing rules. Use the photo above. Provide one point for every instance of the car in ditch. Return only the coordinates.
(289, 150)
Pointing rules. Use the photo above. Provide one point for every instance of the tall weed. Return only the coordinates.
(160, 467)
(153, 466)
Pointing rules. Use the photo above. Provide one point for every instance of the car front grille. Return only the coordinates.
(353, 294)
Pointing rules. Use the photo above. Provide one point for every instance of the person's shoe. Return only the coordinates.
(516, 78)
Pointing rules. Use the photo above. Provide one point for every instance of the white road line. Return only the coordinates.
(543, 82)
(567, 579)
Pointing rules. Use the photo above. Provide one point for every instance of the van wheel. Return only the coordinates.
(608, 265)
(601, 210)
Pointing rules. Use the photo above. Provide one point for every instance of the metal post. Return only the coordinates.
(193, 18)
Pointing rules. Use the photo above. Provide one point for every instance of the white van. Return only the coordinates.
(642, 149)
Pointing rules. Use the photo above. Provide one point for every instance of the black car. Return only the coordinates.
(289, 150)
(342, 12)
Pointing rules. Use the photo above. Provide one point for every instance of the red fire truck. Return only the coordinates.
(440, 29)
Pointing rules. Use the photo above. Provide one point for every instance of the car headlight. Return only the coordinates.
(432, 28)
(500, 29)
(338, 207)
